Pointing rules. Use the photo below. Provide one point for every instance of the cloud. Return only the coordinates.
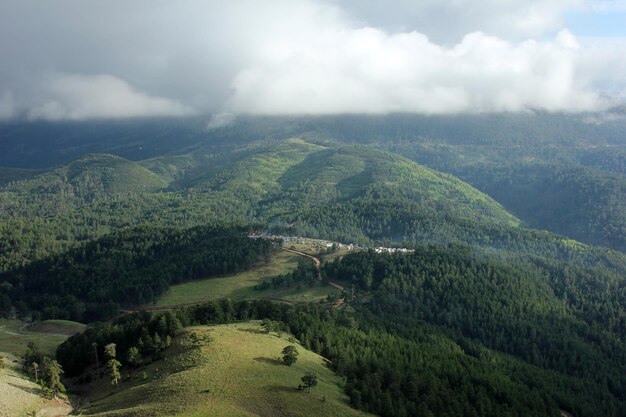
(159, 57)
(370, 71)
(448, 21)
(7, 106)
(79, 97)
(220, 120)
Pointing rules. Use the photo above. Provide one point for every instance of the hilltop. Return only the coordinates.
(95, 174)
(233, 371)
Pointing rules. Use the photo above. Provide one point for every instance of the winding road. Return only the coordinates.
(318, 264)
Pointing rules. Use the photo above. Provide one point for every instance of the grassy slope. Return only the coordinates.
(47, 335)
(235, 374)
(241, 286)
(18, 395)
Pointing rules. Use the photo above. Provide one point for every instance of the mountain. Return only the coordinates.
(461, 145)
(95, 174)
(580, 202)
(482, 313)
(272, 182)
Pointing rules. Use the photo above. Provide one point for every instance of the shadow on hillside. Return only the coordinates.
(269, 360)
(282, 388)
(35, 391)
(254, 331)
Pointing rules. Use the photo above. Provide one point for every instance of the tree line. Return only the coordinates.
(443, 331)
(129, 267)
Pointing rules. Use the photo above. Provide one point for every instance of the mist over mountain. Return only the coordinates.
(313, 208)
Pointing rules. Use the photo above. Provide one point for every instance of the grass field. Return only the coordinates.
(235, 372)
(18, 395)
(47, 335)
(241, 286)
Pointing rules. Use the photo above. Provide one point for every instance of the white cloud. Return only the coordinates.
(370, 71)
(298, 56)
(607, 6)
(78, 97)
(448, 21)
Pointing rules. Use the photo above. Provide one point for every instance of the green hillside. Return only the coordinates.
(9, 175)
(100, 173)
(233, 371)
(583, 203)
(20, 396)
(47, 335)
(344, 193)
(273, 182)
(575, 189)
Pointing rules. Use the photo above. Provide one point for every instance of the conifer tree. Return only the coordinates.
(51, 378)
(113, 364)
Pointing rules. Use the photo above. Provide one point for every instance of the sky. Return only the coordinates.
(88, 59)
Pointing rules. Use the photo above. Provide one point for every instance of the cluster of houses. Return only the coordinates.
(382, 249)
(317, 244)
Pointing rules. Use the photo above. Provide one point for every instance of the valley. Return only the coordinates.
(313, 208)
(441, 275)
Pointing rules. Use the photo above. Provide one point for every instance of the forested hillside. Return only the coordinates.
(130, 267)
(476, 148)
(443, 331)
(588, 205)
(512, 302)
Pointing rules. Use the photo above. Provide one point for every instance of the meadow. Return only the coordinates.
(235, 370)
(47, 335)
(241, 286)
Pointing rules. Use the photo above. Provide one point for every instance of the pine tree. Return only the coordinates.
(34, 368)
(133, 356)
(94, 345)
(113, 364)
(51, 378)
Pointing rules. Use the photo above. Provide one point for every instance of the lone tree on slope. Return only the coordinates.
(309, 380)
(290, 355)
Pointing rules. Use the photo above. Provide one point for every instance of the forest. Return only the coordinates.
(511, 303)
(128, 268)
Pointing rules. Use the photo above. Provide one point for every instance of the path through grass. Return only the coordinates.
(47, 335)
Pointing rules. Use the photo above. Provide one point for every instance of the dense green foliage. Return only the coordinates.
(347, 193)
(583, 203)
(399, 359)
(140, 332)
(473, 147)
(130, 267)
(304, 275)
(449, 331)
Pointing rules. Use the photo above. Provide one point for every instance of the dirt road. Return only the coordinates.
(318, 264)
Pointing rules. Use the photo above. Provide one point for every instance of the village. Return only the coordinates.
(321, 244)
